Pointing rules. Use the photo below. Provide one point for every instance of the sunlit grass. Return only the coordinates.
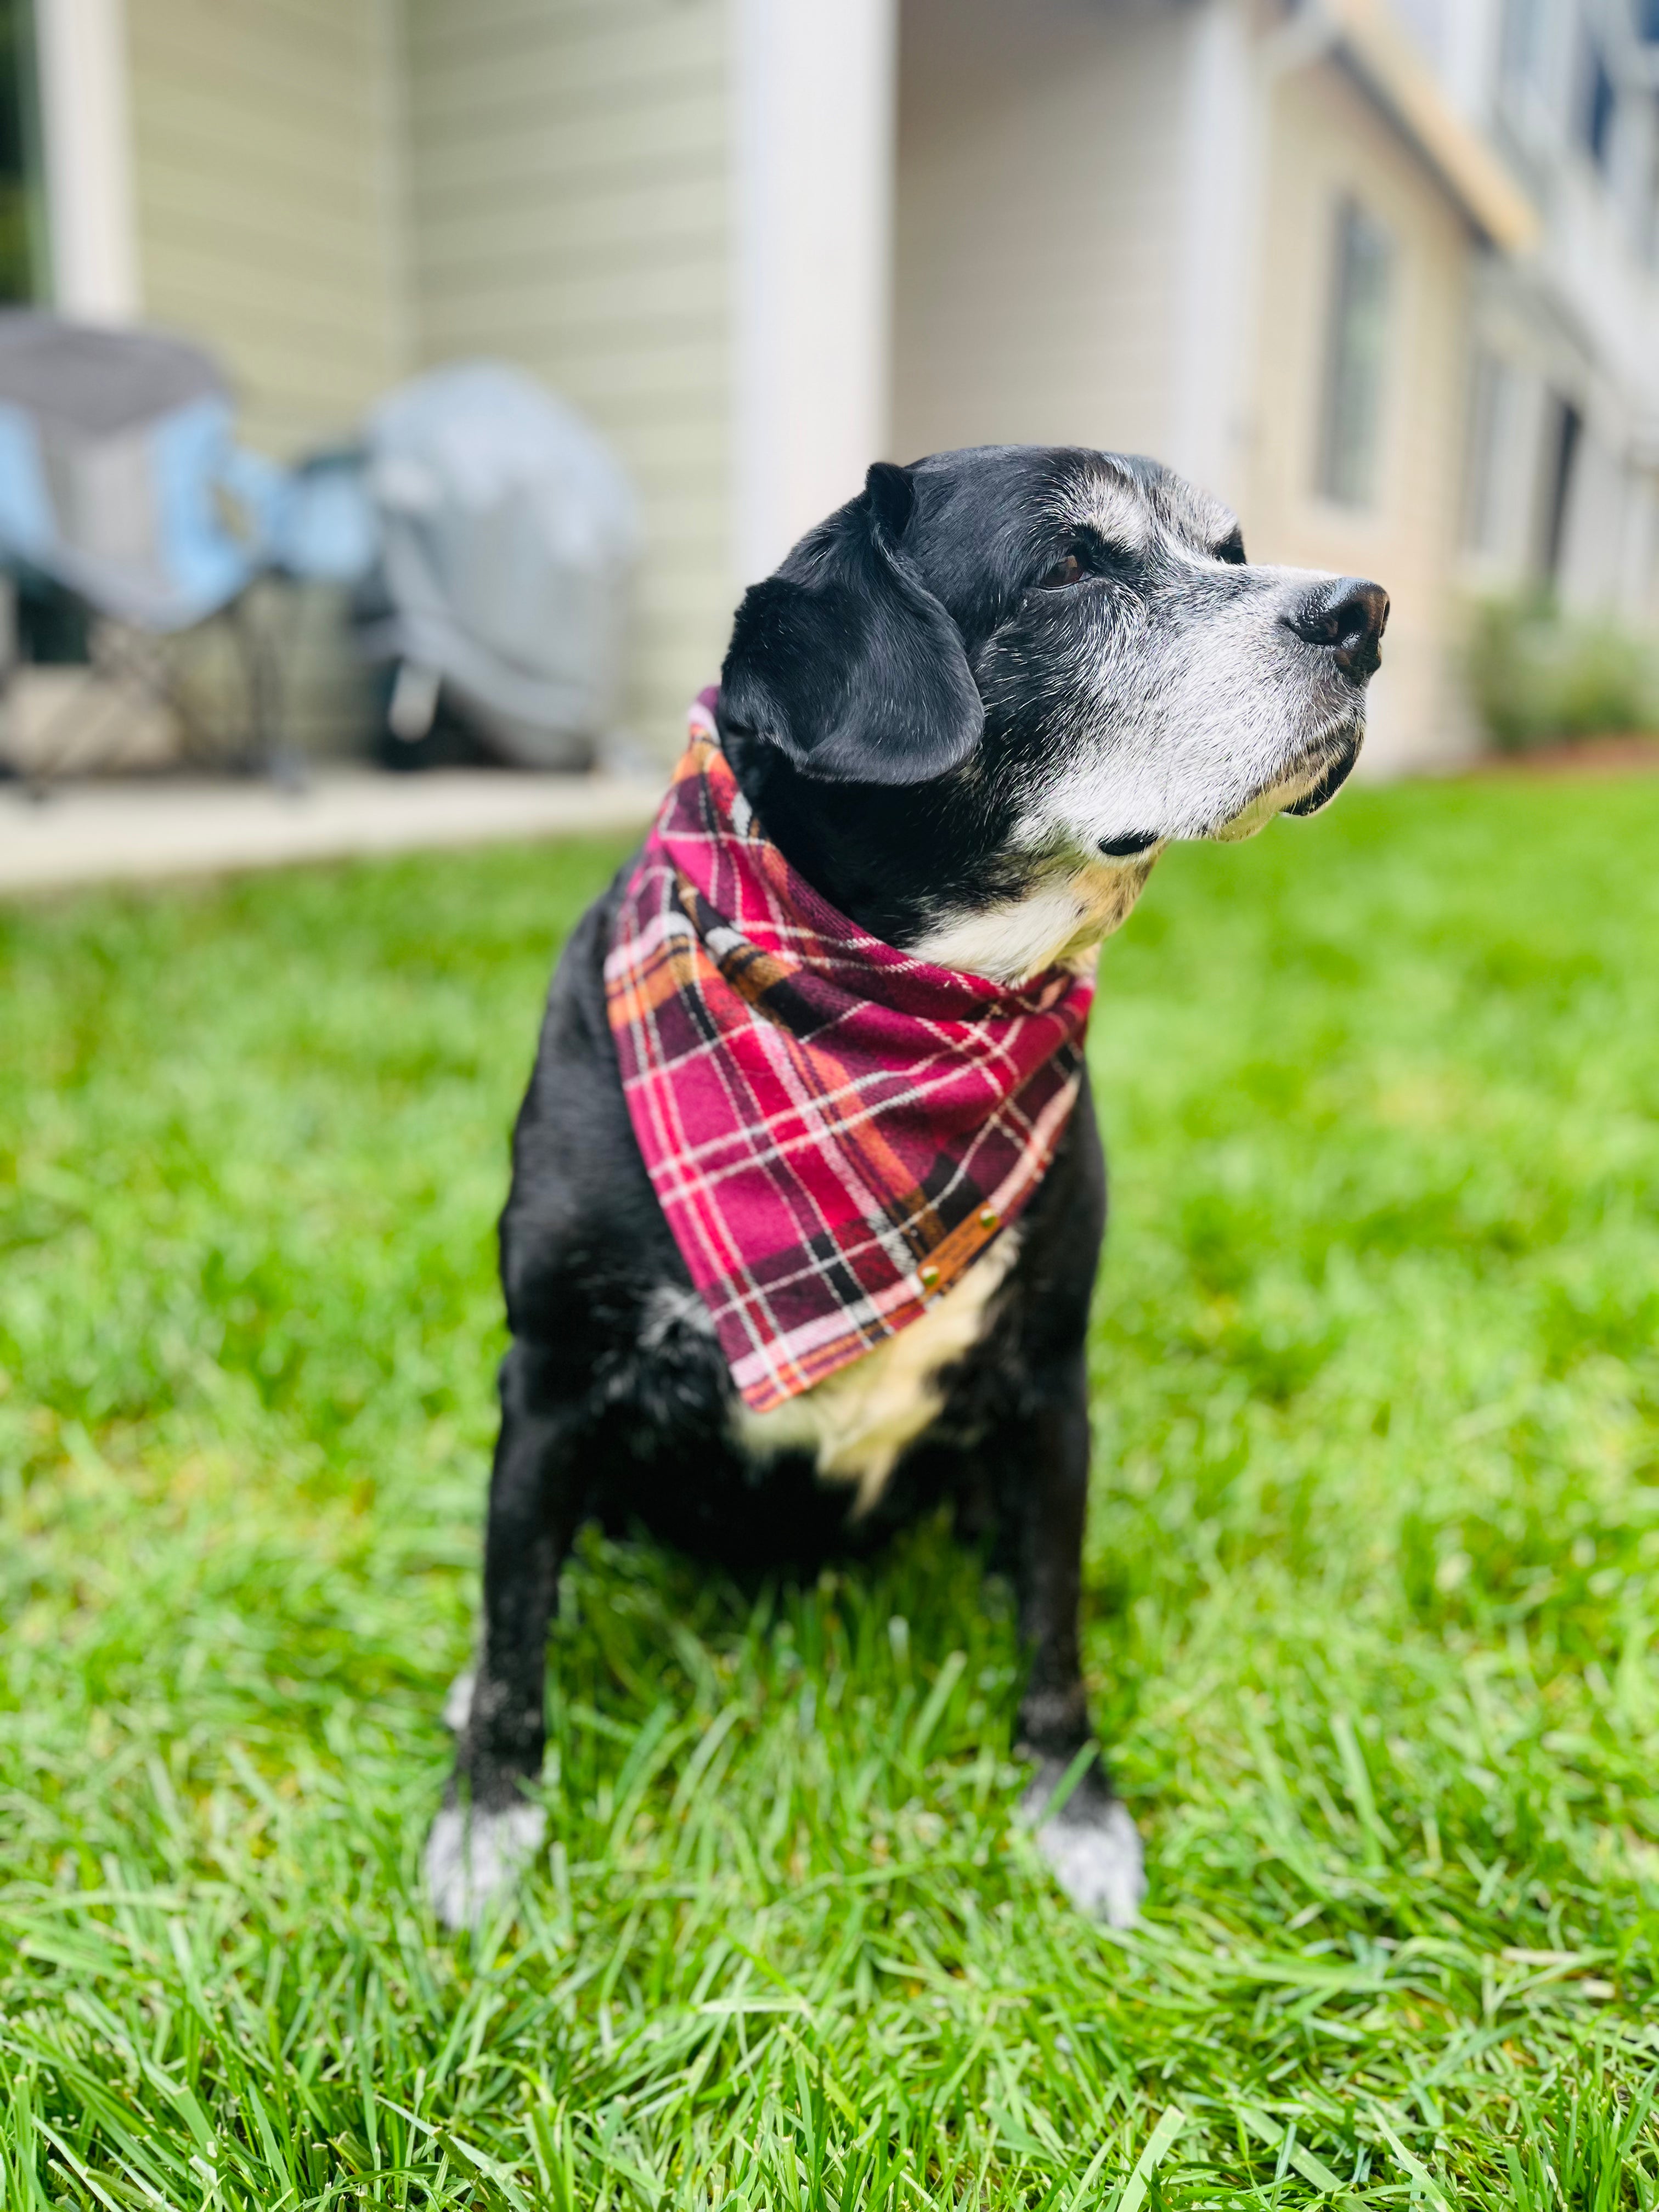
(1370, 1618)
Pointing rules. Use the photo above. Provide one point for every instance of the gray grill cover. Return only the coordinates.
(509, 536)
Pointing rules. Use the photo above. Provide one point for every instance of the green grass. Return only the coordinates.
(1371, 1611)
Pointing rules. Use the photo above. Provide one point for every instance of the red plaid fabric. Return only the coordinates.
(834, 1130)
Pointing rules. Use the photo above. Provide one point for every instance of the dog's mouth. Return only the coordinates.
(1303, 790)
(1338, 767)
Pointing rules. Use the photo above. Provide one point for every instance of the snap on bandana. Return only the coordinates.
(834, 1130)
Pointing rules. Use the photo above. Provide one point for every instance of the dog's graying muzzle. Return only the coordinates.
(1349, 616)
(1340, 768)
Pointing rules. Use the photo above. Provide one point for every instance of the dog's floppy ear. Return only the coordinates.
(845, 659)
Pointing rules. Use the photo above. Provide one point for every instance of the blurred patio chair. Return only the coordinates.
(121, 485)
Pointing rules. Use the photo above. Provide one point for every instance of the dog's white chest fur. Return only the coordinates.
(860, 1420)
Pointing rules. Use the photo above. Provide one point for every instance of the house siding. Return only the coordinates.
(267, 161)
(267, 183)
(1038, 225)
(1329, 143)
(572, 212)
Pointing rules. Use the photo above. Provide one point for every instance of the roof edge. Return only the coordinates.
(1382, 55)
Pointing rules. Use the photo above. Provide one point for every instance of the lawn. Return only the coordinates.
(1373, 1585)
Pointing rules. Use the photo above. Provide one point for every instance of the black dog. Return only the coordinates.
(970, 709)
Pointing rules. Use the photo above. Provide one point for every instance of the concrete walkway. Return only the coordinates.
(111, 832)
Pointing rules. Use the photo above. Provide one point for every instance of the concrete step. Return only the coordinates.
(113, 831)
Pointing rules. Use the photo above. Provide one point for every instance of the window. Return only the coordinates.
(23, 239)
(1356, 347)
(1599, 102)
(1564, 428)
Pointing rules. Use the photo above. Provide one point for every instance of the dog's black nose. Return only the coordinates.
(1349, 616)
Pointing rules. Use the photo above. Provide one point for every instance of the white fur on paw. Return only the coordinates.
(1096, 1862)
(473, 1858)
(458, 1705)
(1093, 1847)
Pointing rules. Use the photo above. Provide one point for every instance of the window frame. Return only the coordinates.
(1349, 471)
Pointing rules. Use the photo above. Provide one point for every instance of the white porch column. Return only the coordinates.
(1219, 167)
(86, 124)
(813, 135)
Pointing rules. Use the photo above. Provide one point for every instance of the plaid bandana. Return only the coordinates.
(834, 1130)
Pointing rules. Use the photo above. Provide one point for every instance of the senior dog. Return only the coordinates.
(807, 1192)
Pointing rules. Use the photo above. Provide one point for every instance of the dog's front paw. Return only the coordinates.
(1092, 1845)
(473, 1857)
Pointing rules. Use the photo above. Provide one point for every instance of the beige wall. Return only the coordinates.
(1045, 259)
(333, 193)
(266, 159)
(571, 212)
(1037, 223)
(1327, 141)
(265, 151)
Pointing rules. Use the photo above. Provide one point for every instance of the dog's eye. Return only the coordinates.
(1232, 549)
(1071, 570)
